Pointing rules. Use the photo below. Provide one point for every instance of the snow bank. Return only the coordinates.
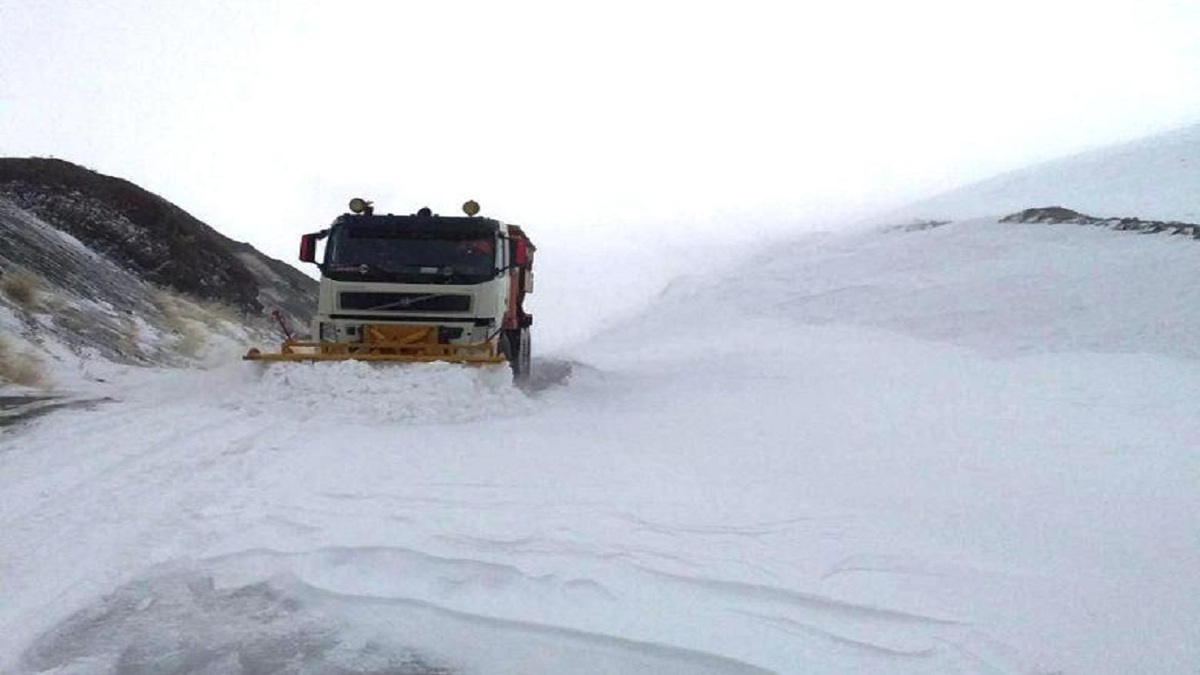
(281, 624)
(1003, 288)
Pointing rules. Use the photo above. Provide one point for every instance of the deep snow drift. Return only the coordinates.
(964, 449)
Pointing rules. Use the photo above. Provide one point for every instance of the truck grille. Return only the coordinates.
(405, 302)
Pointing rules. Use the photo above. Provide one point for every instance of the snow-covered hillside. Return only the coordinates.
(968, 448)
(1153, 178)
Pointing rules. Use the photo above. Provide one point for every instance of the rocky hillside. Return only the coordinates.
(1058, 214)
(93, 265)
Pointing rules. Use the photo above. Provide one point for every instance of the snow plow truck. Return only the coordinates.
(419, 287)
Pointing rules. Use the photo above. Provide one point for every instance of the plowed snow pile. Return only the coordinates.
(417, 393)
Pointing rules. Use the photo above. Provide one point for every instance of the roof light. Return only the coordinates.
(471, 207)
(360, 205)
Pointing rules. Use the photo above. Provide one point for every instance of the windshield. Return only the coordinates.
(372, 252)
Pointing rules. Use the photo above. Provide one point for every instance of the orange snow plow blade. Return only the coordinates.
(384, 342)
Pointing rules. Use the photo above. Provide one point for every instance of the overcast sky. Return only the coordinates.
(264, 117)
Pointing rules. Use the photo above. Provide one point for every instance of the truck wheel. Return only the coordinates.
(524, 359)
(514, 344)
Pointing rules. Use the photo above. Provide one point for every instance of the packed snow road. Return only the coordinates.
(890, 487)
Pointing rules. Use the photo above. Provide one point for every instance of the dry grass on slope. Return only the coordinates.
(21, 287)
(21, 368)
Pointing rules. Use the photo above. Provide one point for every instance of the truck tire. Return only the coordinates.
(524, 359)
(515, 345)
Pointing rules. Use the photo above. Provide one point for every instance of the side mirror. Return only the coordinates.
(308, 248)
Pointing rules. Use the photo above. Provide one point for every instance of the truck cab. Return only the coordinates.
(419, 287)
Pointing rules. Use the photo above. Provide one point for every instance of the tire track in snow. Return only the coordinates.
(93, 497)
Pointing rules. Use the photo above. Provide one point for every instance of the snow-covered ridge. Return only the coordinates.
(1153, 178)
